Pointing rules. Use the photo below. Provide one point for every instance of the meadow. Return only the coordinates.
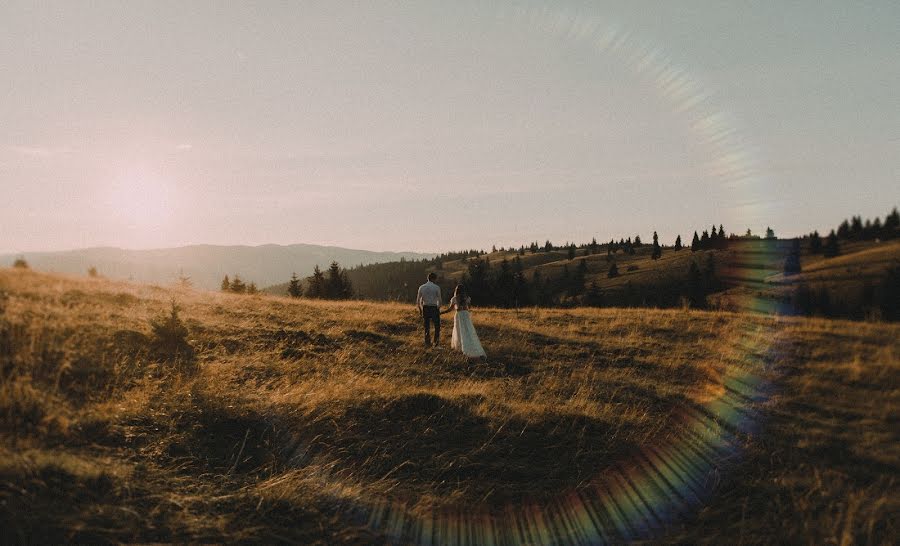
(296, 421)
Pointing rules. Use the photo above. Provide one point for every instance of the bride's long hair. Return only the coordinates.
(460, 293)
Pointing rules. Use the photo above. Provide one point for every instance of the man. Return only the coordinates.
(428, 300)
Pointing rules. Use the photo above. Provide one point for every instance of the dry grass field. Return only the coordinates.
(325, 422)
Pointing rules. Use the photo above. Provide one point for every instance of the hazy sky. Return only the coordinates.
(438, 126)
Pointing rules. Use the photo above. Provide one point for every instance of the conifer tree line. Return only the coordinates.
(236, 285)
(559, 275)
(855, 229)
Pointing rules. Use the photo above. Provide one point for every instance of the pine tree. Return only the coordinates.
(843, 230)
(877, 229)
(704, 240)
(695, 243)
(815, 243)
(334, 285)
(92, 272)
(637, 241)
(346, 286)
(678, 243)
(770, 234)
(572, 251)
(294, 289)
(831, 246)
(657, 250)
(20, 263)
(315, 284)
(548, 246)
(226, 284)
(613, 271)
(856, 227)
(891, 224)
(238, 286)
(251, 288)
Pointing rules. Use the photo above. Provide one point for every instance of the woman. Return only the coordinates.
(464, 337)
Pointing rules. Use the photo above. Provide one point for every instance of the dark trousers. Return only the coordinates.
(432, 314)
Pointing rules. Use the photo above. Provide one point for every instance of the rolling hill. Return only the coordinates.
(295, 421)
(748, 275)
(206, 265)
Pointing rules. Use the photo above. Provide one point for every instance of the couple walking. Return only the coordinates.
(464, 338)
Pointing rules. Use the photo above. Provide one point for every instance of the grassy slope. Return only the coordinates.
(299, 407)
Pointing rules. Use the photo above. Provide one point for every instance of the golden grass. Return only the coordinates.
(300, 408)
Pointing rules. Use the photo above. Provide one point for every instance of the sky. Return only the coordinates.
(436, 126)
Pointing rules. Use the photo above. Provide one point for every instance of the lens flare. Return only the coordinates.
(637, 498)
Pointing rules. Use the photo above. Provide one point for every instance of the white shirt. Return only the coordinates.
(429, 294)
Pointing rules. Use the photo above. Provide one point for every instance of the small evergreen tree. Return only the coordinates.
(843, 231)
(856, 227)
(891, 224)
(678, 243)
(571, 253)
(815, 243)
(637, 241)
(770, 233)
(315, 284)
(548, 246)
(831, 246)
(238, 286)
(294, 289)
(695, 243)
(169, 337)
(334, 284)
(657, 250)
(226, 284)
(704, 240)
(92, 272)
(20, 263)
(613, 271)
(251, 288)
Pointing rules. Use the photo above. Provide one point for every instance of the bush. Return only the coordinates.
(20, 263)
(168, 339)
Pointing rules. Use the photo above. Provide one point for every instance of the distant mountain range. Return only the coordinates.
(205, 264)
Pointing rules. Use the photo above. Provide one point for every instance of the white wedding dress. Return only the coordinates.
(464, 337)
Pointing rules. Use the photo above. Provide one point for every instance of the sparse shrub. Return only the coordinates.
(20, 263)
(168, 339)
(92, 272)
(613, 271)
